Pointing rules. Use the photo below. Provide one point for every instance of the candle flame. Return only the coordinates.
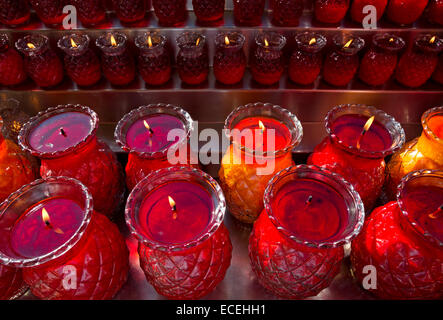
(31, 46)
(391, 40)
(366, 128)
(261, 125)
(312, 41)
(197, 42)
(173, 207)
(73, 44)
(149, 41)
(437, 213)
(266, 43)
(348, 43)
(147, 126)
(227, 40)
(113, 42)
(47, 221)
(432, 39)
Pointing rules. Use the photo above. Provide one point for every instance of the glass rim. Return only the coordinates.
(425, 119)
(184, 43)
(398, 42)
(220, 39)
(273, 45)
(141, 44)
(41, 43)
(61, 43)
(120, 38)
(319, 45)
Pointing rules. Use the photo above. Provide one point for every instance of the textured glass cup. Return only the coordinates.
(286, 262)
(330, 11)
(403, 241)
(154, 59)
(130, 11)
(306, 61)
(248, 12)
(287, 13)
(14, 12)
(267, 63)
(209, 10)
(170, 13)
(81, 63)
(41, 62)
(50, 12)
(12, 70)
(90, 12)
(405, 12)
(230, 58)
(435, 11)
(192, 58)
(199, 264)
(95, 248)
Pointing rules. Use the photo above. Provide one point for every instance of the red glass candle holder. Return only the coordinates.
(41, 62)
(118, 64)
(438, 73)
(379, 62)
(90, 12)
(81, 63)
(270, 134)
(50, 12)
(405, 11)
(12, 69)
(130, 11)
(287, 13)
(417, 65)
(341, 63)
(230, 58)
(358, 5)
(144, 134)
(14, 12)
(192, 58)
(356, 148)
(267, 63)
(65, 140)
(154, 60)
(12, 285)
(248, 12)
(306, 61)
(435, 11)
(170, 13)
(330, 11)
(296, 245)
(403, 241)
(189, 231)
(52, 233)
(209, 10)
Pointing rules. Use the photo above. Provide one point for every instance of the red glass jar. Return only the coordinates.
(358, 6)
(90, 12)
(41, 62)
(248, 12)
(12, 70)
(435, 11)
(417, 65)
(170, 13)
(14, 12)
(438, 73)
(209, 10)
(144, 134)
(330, 11)
(267, 61)
(65, 140)
(50, 12)
(192, 58)
(341, 63)
(403, 241)
(296, 245)
(177, 214)
(356, 151)
(154, 59)
(306, 61)
(130, 11)
(379, 62)
(72, 252)
(11, 283)
(81, 63)
(118, 64)
(230, 58)
(405, 11)
(287, 13)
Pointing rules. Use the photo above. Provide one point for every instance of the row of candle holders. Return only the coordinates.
(285, 13)
(303, 215)
(341, 63)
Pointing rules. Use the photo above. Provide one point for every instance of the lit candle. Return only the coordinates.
(360, 137)
(310, 214)
(12, 70)
(144, 134)
(50, 224)
(177, 214)
(263, 136)
(409, 228)
(65, 140)
(192, 58)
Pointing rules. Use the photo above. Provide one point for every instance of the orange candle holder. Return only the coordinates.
(424, 152)
(262, 137)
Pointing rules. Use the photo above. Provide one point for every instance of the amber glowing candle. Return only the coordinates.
(149, 134)
(50, 224)
(403, 240)
(65, 140)
(263, 136)
(360, 137)
(176, 214)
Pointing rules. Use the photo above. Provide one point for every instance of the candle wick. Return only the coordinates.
(437, 213)
(309, 200)
(63, 132)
